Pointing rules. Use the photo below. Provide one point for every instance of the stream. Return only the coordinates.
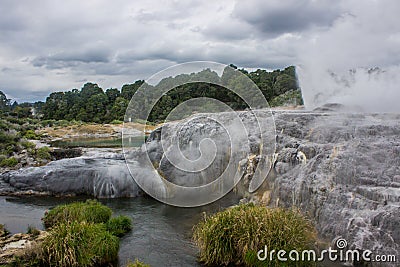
(161, 234)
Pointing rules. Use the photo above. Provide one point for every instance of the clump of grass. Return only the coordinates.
(43, 153)
(119, 226)
(89, 211)
(79, 244)
(116, 122)
(33, 231)
(3, 230)
(235, 235)
(9, 162)
(137, 263)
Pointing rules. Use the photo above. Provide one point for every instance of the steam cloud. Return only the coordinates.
(356, 61)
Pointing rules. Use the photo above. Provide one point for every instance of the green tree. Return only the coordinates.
(128, 90)
(5, 103)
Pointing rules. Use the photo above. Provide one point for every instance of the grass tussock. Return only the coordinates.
(233, 236)
(119, 225)
(89, 211)
(137, 263)
(79, 244)
(79, 234)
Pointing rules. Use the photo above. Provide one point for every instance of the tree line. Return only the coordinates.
(93, 104)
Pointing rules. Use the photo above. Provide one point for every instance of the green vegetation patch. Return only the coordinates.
(30, 134)
(79, 244)
(9, 162)
(89, 211)
(119, 226)
(137, 263)
(43, 153)
(234, 236)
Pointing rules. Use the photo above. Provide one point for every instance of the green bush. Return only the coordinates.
(235, 235)
(9, 162)
(119, 226)
(7, 138)
(43, 153)
(30, 134)
(79, 244)
(137, 263)
(28, 145)
(89, 211)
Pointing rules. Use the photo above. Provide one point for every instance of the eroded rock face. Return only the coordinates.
(342, 170)
(98, 174)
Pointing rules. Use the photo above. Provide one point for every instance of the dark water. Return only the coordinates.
(161, 235)
(108, 142)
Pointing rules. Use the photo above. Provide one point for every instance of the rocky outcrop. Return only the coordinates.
(343, 171)
(99, 174)
(18, 245)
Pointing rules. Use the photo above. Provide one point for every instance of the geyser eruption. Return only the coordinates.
(355, 61)
(360, 89)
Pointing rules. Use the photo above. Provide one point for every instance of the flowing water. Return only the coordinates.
(161, 234)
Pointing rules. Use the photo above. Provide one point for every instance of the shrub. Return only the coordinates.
(89, 211)
(30, 134)
(79, 244)
(235, 235)
(137, 263)
(43, 153)
(28, 145)
(8, 138)
(9, 162)
(119, 226)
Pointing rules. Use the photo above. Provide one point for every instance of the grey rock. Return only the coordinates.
(102, 175)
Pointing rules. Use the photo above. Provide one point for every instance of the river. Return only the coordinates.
(161, 234)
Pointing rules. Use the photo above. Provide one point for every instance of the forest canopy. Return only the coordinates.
(93, 104)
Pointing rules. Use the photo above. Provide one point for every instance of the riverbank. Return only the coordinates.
(31, 142)
(91, 130)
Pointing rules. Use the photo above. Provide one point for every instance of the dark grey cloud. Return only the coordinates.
(277, 17)
(72, 58)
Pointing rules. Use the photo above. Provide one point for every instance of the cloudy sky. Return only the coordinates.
(58, 45)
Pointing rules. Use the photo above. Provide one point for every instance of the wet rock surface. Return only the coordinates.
(98, 173)
(341, 170)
